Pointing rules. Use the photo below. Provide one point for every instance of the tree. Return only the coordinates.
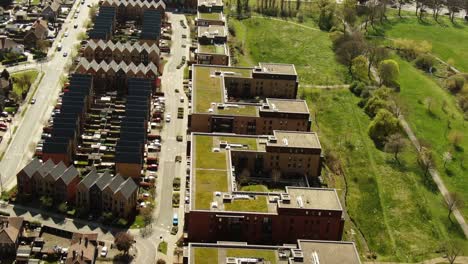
(375, 54)
(5, 74)
(244, 176)
(395, 144)
(46, 201)
(349, 50)
(147, 215)
(124, 241)
(178, 252)
(447, 158)
(326, 14)
(454, 201)
(383, 125)
(359, 68)
(161, 261)
(452, 250)
(425, 159)
(400, 4)
(425, 62)
(454, 6)
(389, 72)
(42, 45)
(348, 13)
(63, 208)
(455, 83)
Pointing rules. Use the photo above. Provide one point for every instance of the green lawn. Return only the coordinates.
(206, 255)
(30, 74)
(260, 204)
(254, 188)
(138, 223)
(448, 40)
(250, 142)
(399, 217)
(208, 182)
(210, 16)
(162, 247)
(268, 40)
(416, 87)
(205, 157)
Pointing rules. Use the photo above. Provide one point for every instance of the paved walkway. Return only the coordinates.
(435, 175)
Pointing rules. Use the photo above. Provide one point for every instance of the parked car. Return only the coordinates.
(33, 101)
(65, 34)
(65, 54)
(153, 167)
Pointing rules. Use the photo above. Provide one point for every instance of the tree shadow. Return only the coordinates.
(122, 259)
(399, 166)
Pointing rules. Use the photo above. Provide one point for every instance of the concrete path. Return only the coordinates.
(435, 175)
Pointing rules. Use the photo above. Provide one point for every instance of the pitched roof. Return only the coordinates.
(127, 188)
(115, 183)
(32, 167)
(7, 43)
(9, 229)
(58, 170)
(90, 178)
(126, 68)
(45, 168)
(70, 174)
(127, 46)
(103, 180)
(136, 3)
(39, 28)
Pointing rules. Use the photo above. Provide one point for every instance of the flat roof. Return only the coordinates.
(210, 2)
(211, 173)
(220, 49)
(312, 198)
(208, 91)
(327, 252)
(212, 31)
(278, 68)
(287, 105)
(330, 252)
(295, 139)
(210, 16)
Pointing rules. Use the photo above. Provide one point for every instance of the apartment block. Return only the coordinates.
(210, 18)
(83, 249)
(212, 48)
(99, 193)
(104, 23)
(219, 209)
(301, 252)
(265, 103)
(209, 6)
(57, 181)
(134, 10)
(108, 51)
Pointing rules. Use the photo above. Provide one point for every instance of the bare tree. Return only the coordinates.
(452, 249)
(178, 252)
(395, 144)
(454, 6)
(447, 157)
(425, 159)
(454, 201)
(124, 241)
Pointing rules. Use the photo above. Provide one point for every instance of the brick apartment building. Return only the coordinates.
(134, 10)
(218, 211)
(11, 229)
(212, 18)
(212, 48)
(300, 252)
(210, 6)
(114, 76)
(105, 23)
(220, 105)
(109, 51)
(57, 181)
(105, 193)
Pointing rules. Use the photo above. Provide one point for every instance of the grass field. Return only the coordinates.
(432, 127)
(260, 204)
(270, 40)
(400, 218)
(448, 40)
(30, 74)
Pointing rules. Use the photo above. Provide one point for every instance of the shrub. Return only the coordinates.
(425, 62)
(389, 72)
(373, 105)
(383, 125)
(410, 49)
(455, 83)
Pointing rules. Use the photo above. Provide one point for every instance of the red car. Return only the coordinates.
(153, 167)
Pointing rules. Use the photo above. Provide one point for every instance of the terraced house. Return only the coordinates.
(134, 9)
(301, 252)
(106, 193)
(209, 6)
(108, 51)
(57, 181)
(114, 76)
(253, 101)
(11, 229)
(219, 209)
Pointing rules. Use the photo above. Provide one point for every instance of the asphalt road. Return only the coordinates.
(22, 146)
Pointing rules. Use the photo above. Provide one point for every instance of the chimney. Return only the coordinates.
(86, 242)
